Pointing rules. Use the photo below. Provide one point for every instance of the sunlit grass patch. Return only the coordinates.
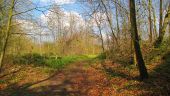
(63, 61)
(56, 62)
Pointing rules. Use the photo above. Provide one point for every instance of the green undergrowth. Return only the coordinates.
(95, 58)
(62, 62)
(56, 62)
(156, 54)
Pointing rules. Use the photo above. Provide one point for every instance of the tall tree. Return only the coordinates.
(117, 21)
(98, 20)
(169, 30)
(157, 42)
(160, 17)
(109, 21)
(134, 34)
(150, 20)
(154, 23)
(163, 27)
(7, 33)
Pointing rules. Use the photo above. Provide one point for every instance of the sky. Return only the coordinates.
(66, 5)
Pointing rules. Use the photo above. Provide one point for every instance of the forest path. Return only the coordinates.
(82, 78)
(78, 79)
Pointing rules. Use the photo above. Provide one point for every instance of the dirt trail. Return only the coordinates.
(78, 79)
(81, 79)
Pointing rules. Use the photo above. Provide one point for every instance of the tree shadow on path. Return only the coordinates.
(67, 82)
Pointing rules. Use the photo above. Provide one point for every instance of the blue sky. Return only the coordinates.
(66, 5)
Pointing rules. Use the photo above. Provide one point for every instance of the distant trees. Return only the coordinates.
(135, 38)
(71, 34)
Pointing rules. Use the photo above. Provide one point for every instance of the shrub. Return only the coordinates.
(30, 59)
(101, 56)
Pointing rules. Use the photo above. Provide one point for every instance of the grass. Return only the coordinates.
(51, 61)
(60, 63)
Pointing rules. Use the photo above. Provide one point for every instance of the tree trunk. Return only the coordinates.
(169, 28)
(150, 21)
(134, 34)
(101, 36)
(109, 21)
(154, 21)
(100, 31)
(117, 22)
(163, 28)
(160, 17)
(158, 41)
(7, 33)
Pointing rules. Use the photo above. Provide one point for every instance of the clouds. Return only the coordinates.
(64, 16)
(59, 2)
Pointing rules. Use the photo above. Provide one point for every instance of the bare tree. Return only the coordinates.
(109, 21)
(98, 21)
(7, 33)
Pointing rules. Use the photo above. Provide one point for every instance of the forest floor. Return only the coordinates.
(83, 78)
